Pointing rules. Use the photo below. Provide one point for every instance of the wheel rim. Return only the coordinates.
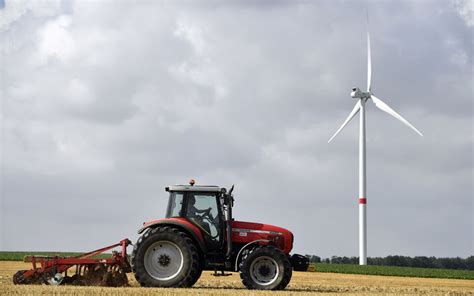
(264, 270)
(163, 260)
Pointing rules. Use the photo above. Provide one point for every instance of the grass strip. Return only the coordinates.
(394, 271)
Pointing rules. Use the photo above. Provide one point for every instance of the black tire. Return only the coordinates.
(265, 268)
(147, 273)
(198, 276)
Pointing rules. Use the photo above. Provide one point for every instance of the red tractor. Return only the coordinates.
(199, 234)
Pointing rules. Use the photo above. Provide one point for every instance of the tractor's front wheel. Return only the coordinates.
(265, 268)
(166, 257)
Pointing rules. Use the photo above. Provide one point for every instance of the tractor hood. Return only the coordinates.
(246, 232)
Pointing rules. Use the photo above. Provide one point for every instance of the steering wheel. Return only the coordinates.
(207, 214)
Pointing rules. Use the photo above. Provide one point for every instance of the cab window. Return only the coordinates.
(203, 210)
(175, 204)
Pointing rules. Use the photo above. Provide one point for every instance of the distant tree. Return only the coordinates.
(396, 260)
(422, 261)
(335, 260)
(470, 263)
(316, 259)
(393, 261)
(313, 258)
(375, 261)
(453, 263)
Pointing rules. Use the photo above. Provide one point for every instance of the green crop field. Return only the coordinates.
(394, 271)
(18, 256)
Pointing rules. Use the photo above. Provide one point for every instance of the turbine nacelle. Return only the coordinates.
(358, 94)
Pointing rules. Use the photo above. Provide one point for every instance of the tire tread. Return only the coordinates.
(278, 255)
(138, 266)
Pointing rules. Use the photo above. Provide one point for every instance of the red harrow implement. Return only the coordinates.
(53, 270)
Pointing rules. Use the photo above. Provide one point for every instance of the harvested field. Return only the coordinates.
(307, 283)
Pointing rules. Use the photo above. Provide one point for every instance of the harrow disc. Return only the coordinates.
(99, 275)
(115, 279)
(18, 278)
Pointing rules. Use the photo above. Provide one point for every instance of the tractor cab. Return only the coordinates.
(204, 207)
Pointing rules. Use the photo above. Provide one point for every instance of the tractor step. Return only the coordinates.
(221, 273)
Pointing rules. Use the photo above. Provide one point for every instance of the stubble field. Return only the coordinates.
(302, 283)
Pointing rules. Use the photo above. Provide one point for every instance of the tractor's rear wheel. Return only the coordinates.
(166, 257)
(265, 268)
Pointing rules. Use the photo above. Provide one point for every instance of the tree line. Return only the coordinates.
(418, 261)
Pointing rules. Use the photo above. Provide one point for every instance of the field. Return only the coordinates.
(302, 283)
(395, 271)
(320, 267)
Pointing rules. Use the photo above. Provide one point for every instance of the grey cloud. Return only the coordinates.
(103, 105)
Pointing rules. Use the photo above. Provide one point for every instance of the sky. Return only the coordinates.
(104, 103)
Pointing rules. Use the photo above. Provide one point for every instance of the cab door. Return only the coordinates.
(203, 210)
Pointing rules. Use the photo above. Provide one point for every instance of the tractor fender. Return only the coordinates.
(246, 246)
(185, 226)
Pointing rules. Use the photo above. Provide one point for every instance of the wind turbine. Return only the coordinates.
(362, 97)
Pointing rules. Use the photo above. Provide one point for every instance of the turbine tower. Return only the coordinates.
(362, 97)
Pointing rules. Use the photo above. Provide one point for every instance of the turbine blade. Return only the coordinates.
(369, 58)
(351, 115)
(384, 107)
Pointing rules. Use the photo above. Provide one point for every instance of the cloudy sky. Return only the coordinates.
(104, 103)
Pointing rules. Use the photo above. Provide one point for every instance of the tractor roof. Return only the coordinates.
(201, 188)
